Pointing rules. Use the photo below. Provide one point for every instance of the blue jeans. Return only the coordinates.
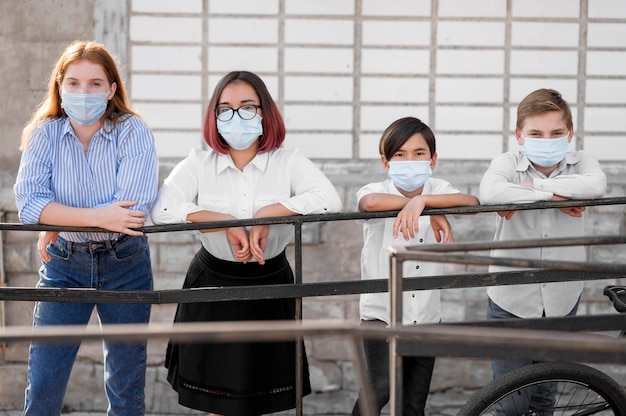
(538, 397)
(120, 265)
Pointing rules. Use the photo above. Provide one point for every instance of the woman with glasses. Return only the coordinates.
(244, 174)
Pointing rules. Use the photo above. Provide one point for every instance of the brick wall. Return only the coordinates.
(341, 71)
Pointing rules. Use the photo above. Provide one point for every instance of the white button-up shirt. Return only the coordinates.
(579, 176)
(419, 306)
(209, 181)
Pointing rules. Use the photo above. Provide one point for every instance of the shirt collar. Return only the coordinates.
(67, 128)
(107, 127)
(224, 161)
(107, 130)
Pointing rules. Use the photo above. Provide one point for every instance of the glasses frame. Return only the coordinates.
(236, 110)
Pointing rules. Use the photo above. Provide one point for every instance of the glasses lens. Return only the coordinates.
(224, 114)
(247, 112)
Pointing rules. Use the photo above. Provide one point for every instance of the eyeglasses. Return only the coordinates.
(247, 112)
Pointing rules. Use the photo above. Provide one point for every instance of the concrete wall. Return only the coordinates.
(472, 120)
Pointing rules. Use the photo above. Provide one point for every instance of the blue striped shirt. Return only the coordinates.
(121, 165)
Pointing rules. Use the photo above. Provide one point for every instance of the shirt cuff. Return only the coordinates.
(31, 214)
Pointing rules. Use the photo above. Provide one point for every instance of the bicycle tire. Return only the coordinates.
(587, 390)
(617, 294)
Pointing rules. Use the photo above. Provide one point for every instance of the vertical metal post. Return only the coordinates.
(298, 280)
(367, 405)
(395, 361)
(2, 273)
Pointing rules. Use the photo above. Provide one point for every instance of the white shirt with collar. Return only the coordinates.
(419, 306)
(579, 176)
(210, 181)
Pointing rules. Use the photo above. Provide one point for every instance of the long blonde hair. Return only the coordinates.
(50, 106)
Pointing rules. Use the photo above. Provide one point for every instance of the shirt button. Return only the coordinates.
(413, 295)
(421, 240)
(417, 267)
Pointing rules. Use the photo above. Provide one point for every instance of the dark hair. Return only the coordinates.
(543, 101)
(273, 124)
(402, 130)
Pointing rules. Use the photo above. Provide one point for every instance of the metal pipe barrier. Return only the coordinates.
(515, 347)
(463, 340)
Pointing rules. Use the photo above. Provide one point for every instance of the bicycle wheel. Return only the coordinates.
(580, 391)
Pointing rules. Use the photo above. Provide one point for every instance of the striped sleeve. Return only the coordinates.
(138, 169)
(32, 189)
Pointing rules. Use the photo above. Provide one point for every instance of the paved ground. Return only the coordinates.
(439, 404)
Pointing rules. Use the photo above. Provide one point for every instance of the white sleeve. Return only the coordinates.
(178, 196)
(588, 181)
(312, 191)
(499, 186)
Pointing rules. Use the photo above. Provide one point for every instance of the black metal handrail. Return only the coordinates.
(512, 348)
(454, 340)
(439, 252)
(340, 216)
(303, 290)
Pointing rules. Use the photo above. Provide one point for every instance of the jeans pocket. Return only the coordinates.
(129, 251)
(57, 252)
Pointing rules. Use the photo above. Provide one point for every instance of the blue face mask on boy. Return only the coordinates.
(546, 152)
(84, 109)
(409, 175)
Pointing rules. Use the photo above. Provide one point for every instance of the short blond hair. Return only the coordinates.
(543, 101)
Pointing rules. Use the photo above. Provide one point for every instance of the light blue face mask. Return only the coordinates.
(240, 133)
(546, 152)
(84, 109)
(409, 175)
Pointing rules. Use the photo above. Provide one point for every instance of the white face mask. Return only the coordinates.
(84, 109)
(240, 133)
(409, 175)
(546, 152)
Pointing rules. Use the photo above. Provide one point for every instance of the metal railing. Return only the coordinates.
(516, 347)
(476, 339)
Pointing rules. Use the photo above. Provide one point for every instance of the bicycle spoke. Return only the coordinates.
(549, 389)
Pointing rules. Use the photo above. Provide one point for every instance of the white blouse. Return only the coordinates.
(209, 181)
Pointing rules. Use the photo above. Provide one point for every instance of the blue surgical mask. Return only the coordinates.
(409, 175)
(546, 152)
(240, 133)
(84, 109)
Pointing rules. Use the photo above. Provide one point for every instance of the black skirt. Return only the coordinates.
(245, 378)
